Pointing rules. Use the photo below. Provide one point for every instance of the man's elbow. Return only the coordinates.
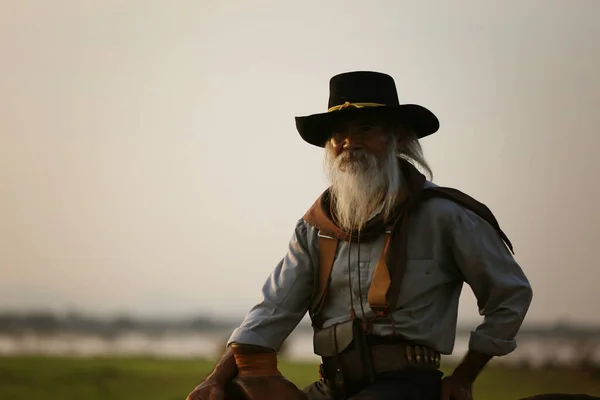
(527, 295)
(521, 300)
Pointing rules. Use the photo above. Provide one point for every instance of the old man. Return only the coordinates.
(379, 261)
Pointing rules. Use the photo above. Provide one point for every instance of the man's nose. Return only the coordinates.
(350, 143)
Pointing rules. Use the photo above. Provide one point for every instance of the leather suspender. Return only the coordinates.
(380, 284)
(327, 247)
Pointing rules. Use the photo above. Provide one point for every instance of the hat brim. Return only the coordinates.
(316, 129)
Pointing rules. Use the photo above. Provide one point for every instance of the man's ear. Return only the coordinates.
(399, 131)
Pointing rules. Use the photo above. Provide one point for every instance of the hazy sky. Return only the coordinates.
(149, 161)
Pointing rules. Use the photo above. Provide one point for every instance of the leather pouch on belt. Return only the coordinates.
(343, 348)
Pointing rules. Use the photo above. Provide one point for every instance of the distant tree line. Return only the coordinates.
(49, 323)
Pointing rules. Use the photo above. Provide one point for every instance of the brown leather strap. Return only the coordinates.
(380, 283)
(400, 239)
(327, 247)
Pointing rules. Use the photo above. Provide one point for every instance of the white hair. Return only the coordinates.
(411, 151)
(360, 183)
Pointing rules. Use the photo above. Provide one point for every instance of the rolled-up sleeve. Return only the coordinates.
(285, 297)
(502, 290)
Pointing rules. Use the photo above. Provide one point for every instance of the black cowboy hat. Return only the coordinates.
(364, 93)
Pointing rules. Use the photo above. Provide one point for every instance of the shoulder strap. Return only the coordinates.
(380, 283)
(327, 247)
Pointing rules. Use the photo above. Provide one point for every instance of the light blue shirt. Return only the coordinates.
(447, 245)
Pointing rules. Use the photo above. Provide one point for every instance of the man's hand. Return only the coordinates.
(208, 390)
(454, 388)
(459, 385)
(213, 387)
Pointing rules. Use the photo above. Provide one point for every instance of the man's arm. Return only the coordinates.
(285, 299)
(502, 290)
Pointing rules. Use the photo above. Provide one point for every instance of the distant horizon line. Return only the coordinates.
(237, 318)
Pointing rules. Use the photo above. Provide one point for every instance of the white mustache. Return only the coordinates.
(358, 180)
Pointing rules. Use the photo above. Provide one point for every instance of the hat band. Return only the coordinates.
(355, 105)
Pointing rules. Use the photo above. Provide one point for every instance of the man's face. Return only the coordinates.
(351, 139)
(361, 165)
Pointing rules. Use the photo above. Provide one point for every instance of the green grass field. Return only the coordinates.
(30, 378)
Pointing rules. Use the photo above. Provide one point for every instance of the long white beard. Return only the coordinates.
(360, 183)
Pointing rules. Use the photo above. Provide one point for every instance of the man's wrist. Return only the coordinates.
(225, 370)
(471, 365)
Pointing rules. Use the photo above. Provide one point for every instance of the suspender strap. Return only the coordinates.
(327, 247)
(380, 283)
(398, 271)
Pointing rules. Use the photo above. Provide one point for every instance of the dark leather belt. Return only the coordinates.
(396, 356)
(388, 357)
